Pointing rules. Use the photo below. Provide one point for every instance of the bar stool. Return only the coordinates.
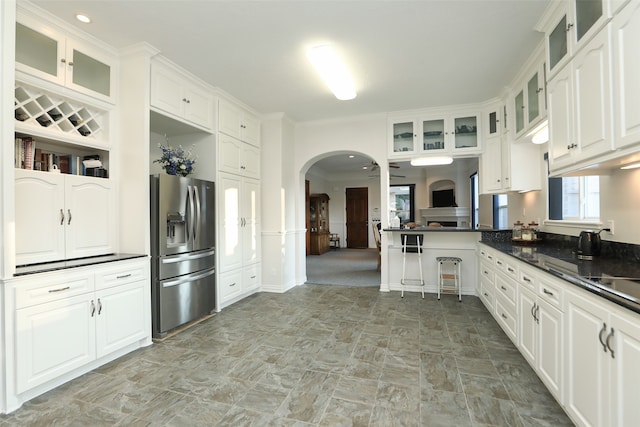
(411, 243)
(449, 278)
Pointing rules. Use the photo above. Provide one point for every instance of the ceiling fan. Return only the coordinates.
(374, 165)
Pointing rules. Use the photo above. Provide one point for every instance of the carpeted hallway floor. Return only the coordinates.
(348, 267)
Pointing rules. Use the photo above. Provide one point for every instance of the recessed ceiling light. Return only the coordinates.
(83, 18)
(365, 168)
(333, 71)
(351, 156)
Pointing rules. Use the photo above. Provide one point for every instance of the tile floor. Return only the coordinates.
(315, 356)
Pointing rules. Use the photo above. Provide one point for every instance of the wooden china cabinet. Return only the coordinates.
(319, 223)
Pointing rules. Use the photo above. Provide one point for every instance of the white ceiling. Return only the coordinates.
(403, 54)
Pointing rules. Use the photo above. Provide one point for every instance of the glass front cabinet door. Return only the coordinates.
(466, 133)
(433, 135)
(51, 56)
(403, 136)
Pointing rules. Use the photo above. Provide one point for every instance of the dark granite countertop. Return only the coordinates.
(612, 278)
(22, 270)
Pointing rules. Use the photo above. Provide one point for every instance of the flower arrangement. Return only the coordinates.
(176, 161)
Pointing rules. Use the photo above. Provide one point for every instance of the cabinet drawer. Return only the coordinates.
(506, 288)
(553, 293)
(40, 290)
(251, 278)
(121, 273)
(505, 266)
(487, 293)
(486, 271)
(527, 279)
(230, 285)
(506, 317)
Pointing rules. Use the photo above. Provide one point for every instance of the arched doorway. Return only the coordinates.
(339, 179)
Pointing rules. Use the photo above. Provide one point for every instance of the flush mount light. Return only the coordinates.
(432, 161)
(83, 18)
(333, 71)
(540, 133)
(631, 166)
(351, 156)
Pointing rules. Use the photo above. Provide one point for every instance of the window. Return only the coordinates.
(574, 198)
(401, 201)
(500, 211)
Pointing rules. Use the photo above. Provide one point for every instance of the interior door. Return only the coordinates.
(357, 218)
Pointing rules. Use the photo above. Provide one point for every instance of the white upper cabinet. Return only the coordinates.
(175, 94)
(528, 102)
(238, 123)
(452, 134)
(580, 115)
(67, 61)
(626, 69)
(575, 23)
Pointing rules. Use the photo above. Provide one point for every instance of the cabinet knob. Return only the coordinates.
(569, 27)
(71, 63)
(64, 61)
(539, 90)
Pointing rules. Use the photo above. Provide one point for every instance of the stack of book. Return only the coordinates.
(27, 156)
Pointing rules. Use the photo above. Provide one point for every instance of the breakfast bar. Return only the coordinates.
(458, 242)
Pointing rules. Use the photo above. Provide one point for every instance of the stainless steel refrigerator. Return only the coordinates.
(182, 250)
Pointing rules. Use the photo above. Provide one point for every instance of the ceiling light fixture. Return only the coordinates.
(432, 161)
(333, 71)
(631, 166)
(83, 18)
(540, 133)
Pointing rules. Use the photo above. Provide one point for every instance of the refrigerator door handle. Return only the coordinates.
(190, 235)
(196, 222)
(189, 278)
(187, 257)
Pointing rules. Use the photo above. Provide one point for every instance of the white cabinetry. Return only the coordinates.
(435, 134)
(603, 360)
(66, 321)
(238, 157)
(529, 101)
(540, 328)
(580, 115)
(626, 69)
(238, 123)
(175, 93)
(61, 216)
(49, 54)
(239, 235)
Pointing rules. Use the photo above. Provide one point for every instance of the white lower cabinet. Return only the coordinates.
(603, 362)
(67, 321)
(540, 331)
(53, 339)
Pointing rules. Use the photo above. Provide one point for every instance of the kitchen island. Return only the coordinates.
(458, 242)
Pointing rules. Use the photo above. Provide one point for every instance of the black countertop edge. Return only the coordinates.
(436, 229)
(586, 270)
(23, 270)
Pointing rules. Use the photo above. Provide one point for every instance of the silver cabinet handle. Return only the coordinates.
(533, 310)
(547, 292)
(99, 306)
(486, 295)
(499, 262)
(69, 220)
(93, 308)
(510, 270)
(61, 217)
(66, 288)
(526, 279)
(233, 284)
(537, 317)
(504, 316)
(124, 276)
(63, 60)
(608, 342)
(602, 331)
(503, 288)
